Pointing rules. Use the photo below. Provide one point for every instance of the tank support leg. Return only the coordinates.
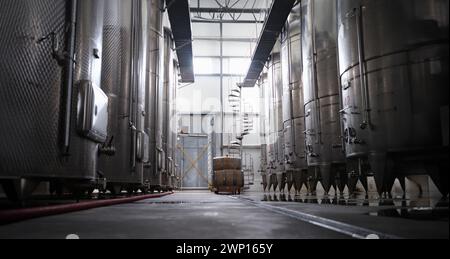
(341, 181)
(19, 189)
(281, 180)
(273, 179)
(383, 173)
(402, 180)
(326, 176)
(290, 180)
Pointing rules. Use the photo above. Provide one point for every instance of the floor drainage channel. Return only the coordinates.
(340, 227)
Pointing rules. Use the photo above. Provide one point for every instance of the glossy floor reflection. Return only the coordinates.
(420, 208)
(362, 200)
(202, 214)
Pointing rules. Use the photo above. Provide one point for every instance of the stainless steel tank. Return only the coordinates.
(271, 148)
(173, 123)
(153, 122)
(166, 109)
(324, 149)
(393, 59)
(278, 106)
(276, 150)
(293, 110)
(123, 80)
(263, 129)
(52, 108)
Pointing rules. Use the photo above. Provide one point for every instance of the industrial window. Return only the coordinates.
(206, 48)
(236, 66)
(238, 49)
(205, 66)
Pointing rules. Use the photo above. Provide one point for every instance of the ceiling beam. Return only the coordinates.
(226, 10)
(226, 39)
(279, 12)
(219, 75)
(180, 23)
(224, 21)
(216, 56)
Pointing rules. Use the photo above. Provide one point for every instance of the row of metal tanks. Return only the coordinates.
(87, 90)
(357, 89)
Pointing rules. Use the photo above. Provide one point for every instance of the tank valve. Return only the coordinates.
(359, 141)
(313, 154)
(363, 125)
(109, 151)
(107, 148)
(57, 52)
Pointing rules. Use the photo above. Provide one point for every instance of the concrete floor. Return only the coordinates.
(202, 215)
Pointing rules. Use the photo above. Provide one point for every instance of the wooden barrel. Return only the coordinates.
(226, 163)
(228, 181)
